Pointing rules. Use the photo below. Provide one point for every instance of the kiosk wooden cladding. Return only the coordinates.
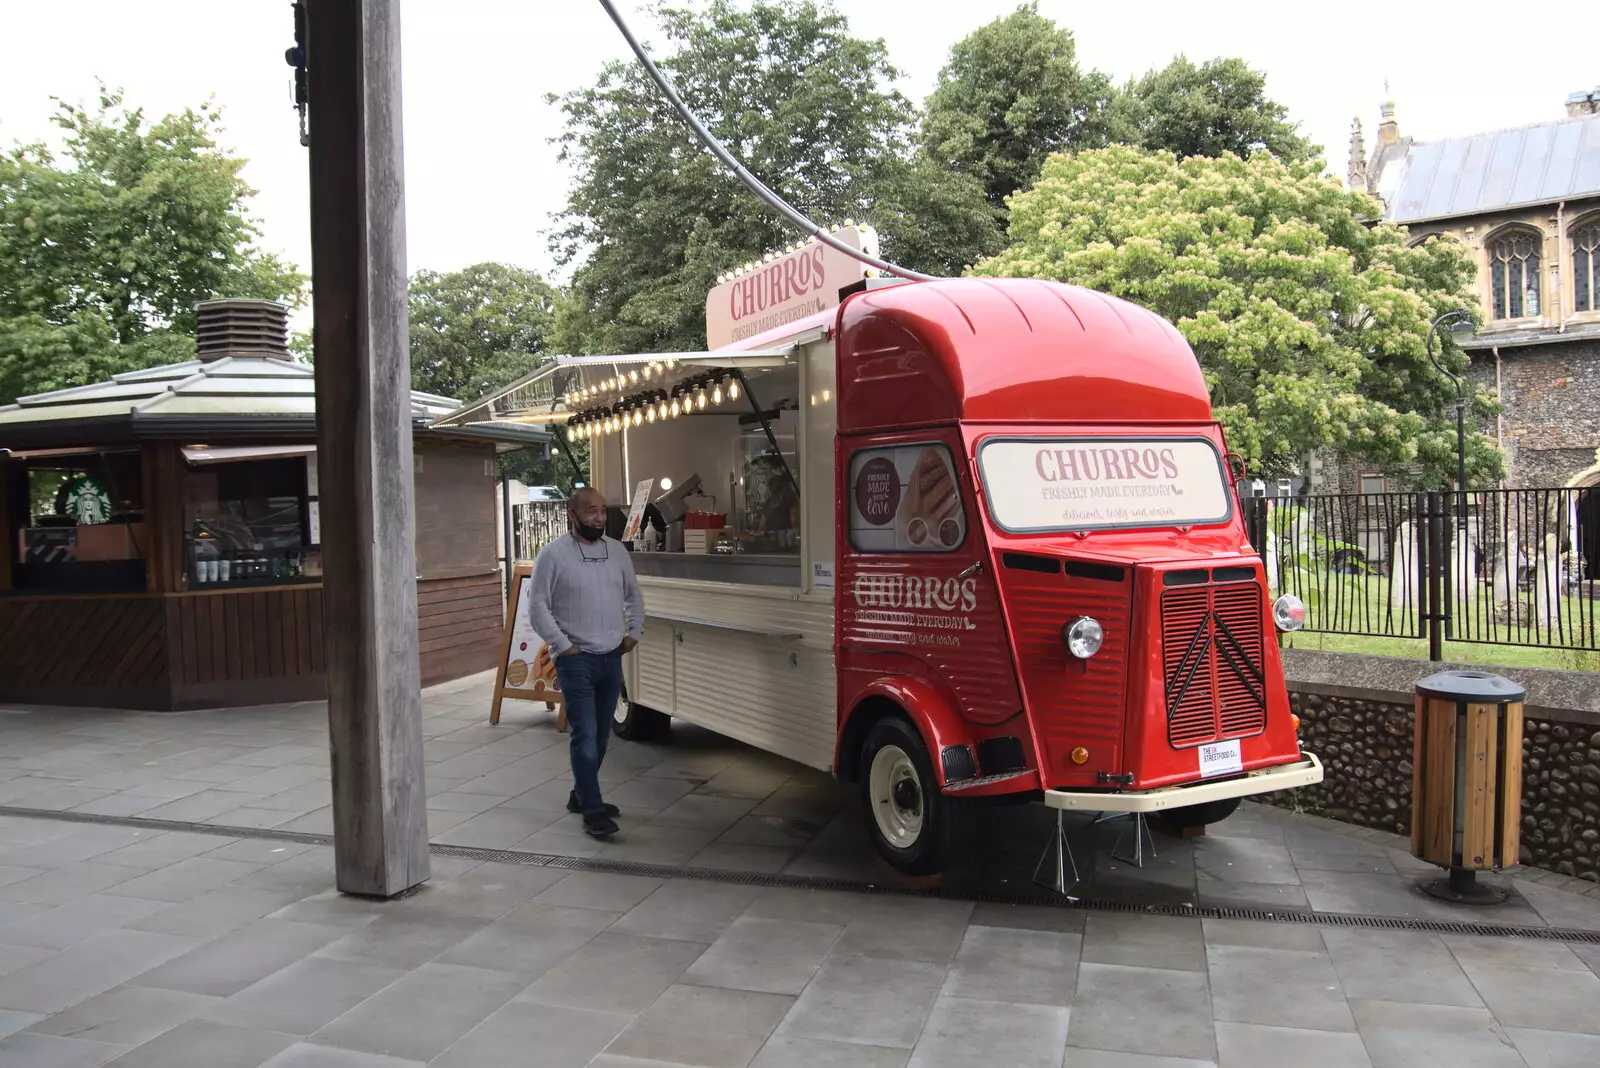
(523, 657)
(1467, 777)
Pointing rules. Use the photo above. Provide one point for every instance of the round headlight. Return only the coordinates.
(1289, 612)
(1083, 637)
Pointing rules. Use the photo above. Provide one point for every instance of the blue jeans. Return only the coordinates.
(590, 686)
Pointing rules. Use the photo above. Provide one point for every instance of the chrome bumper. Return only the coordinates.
(1304, 772)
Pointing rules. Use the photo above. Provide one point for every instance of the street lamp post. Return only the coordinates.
(1460, 323)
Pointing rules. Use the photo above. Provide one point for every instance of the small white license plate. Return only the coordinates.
(1220, 758)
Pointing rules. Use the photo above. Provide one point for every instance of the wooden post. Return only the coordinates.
(358, 270)
(163, 517)
(13, 514)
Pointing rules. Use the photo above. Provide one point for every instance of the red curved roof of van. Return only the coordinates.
(1010, 350)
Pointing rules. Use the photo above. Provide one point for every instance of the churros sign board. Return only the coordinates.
(1060, 484)
(905, 498)
(526, 672)
(786, 288)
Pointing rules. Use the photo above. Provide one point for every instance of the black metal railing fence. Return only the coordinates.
(1497, 567)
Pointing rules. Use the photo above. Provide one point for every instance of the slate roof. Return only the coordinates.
(1502, 169)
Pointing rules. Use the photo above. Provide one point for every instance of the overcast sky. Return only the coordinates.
(482, 180)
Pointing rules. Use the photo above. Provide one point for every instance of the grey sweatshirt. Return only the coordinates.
(585, 595)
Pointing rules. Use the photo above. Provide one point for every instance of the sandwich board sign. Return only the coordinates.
(527, 671)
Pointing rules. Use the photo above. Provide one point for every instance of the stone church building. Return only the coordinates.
(1526, 203)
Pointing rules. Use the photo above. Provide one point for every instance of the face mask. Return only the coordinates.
(586, 532)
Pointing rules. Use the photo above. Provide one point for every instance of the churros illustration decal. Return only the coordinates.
(905, 499)
(529, 665)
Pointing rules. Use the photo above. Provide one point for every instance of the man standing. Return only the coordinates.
(587, 607)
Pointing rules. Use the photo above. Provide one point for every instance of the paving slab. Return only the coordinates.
(1014, 965)
(1242, 1045)
(1130, 1009)
(704, 1026)
(198, 1042)
(521, 1031)
(961, 1032)
(867, 1001)
(423, 1014)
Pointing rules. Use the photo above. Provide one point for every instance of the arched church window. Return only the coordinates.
(1514, 275)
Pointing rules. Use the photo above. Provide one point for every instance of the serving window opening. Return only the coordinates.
(249, 521)
(721, 479)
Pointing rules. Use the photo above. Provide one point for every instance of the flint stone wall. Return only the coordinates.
(1356, 715)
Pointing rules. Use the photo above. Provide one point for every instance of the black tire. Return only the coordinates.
(636, 723)
(1202, 815)
(914, 827)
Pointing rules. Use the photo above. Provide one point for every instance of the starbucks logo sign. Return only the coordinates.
(88, 501)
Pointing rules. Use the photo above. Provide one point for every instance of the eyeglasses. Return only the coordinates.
(584, 555)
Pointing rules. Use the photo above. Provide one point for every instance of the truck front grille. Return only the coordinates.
(1211, 644)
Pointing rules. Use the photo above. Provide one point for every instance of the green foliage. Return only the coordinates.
(1012, 94)
(532, 469)
(803, 105)
(1217, 108)
(104, 251)
(1311, 564)
(479, 328)
(1309, 324)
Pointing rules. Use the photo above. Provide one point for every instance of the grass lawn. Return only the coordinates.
(1531, 656)
(1341, 603)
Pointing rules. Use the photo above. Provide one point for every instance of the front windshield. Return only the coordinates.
(1057, 484)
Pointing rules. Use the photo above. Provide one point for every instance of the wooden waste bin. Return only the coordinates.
(1466, 794)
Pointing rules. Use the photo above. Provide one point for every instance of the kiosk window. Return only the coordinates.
(905, 499)
(246, 521)
(85, 526)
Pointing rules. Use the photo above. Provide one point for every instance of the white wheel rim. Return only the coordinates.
(897, 797)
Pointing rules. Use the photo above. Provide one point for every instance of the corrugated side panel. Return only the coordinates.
(653, 684)
(1070, 702)
(776, 695)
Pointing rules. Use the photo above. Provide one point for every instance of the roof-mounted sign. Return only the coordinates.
(786, 286)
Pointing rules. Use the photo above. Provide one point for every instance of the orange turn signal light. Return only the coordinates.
(1294, 720)
(1080, 755)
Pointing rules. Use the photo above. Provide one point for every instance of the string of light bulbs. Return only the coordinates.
(651, 405)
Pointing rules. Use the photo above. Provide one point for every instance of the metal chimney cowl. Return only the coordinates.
(241, 327)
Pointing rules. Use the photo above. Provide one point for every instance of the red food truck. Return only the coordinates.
(951, 540)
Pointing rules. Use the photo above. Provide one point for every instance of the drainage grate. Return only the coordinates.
(855, 886)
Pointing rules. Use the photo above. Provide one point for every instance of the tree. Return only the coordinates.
(654, 218)
(1218, 108)
(478, 328)
(1309, 324)
(104, 251)
(1012, 94)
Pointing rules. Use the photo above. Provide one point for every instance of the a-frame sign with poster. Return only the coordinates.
(527, 672)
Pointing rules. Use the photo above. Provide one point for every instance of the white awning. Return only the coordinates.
(206, 454)
(543, 395)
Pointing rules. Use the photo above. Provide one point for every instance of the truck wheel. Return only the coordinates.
(636, 723)
(912, 824)
(1202, 815)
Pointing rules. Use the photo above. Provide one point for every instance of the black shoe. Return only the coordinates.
(599, 825)
(572, 805)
